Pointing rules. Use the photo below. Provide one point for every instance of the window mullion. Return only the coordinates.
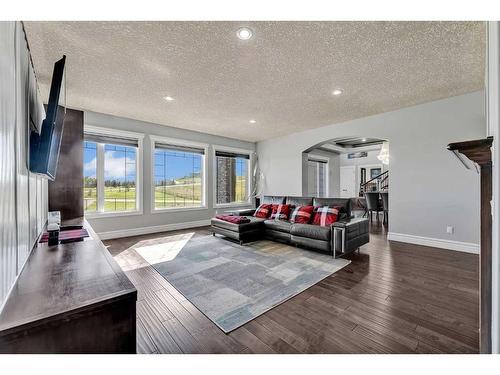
(100, 177)
(202, 180)
(249, 179)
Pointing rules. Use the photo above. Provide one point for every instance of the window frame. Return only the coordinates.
(244, 151)
(115, 133)
(204, 172)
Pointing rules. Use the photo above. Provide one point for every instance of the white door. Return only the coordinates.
(347, 182)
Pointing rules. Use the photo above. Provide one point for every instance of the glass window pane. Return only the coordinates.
(119, 178)
(231, 180)
(89, 176)
(375, 172)
(178, 179)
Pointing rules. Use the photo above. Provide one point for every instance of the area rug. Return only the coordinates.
(233, 284)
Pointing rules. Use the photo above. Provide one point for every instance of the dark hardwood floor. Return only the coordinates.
(392, 298)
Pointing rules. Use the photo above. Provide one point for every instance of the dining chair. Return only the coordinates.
(385, 206)
(372, 204)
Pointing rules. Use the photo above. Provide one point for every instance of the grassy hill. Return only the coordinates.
(185, 193)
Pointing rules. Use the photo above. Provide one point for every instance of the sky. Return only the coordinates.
(115, 162)
(89, 162)
(179, 164)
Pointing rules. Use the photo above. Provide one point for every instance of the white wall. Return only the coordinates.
(493, 102)
(23, 197)
(429, 188)
(110, 227)
(370, 159)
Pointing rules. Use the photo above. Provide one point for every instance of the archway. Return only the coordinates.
(348, 167)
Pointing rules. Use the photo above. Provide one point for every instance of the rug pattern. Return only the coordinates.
(233, 284)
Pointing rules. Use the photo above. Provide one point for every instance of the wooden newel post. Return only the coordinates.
(477, 154)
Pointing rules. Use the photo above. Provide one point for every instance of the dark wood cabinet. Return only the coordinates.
(70, 298)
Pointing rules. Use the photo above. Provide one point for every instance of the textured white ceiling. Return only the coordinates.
(282, 77)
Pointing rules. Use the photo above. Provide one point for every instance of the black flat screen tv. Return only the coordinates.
(45, 145)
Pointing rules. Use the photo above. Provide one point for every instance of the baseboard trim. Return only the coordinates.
(465, 247)
(154, 229)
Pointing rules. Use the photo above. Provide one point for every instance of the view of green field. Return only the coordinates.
(184, 193)
(115, 199)
(241, 189)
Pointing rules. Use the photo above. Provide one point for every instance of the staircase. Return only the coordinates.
(378, 183)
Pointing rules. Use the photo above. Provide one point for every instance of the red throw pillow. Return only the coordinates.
(302, 215)
(325, 216)
(263, 211)
(280, 212)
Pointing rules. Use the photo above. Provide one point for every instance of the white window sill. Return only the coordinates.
(99, 215)
(177, 209)
(233, 205)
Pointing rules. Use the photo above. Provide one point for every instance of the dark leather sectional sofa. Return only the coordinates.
(344, 236)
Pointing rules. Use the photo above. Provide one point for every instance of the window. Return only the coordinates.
(111, 181)
(375, 172)
(317, 177)
(231, 178)
(178, 175)
(90, 176)
(119, 178)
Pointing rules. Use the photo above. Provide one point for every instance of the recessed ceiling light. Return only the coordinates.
(337, 92)
(252, 121)
(168, 98)
(244, 33)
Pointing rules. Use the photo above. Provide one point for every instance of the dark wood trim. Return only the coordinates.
(66, 191)
(485, 260)
(479, 152)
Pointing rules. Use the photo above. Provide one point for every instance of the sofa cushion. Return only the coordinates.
(302, 215)
(299, 201)
(325, 216)
(254, 224)
(343, 203)
(311, 243)
(273, 199)
(263, 211)
(275, 235)
(278, 225)
(311, 231)
(280, 212)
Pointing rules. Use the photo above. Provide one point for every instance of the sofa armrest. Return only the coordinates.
(355, 234)
(350, 222)
(248, 212)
